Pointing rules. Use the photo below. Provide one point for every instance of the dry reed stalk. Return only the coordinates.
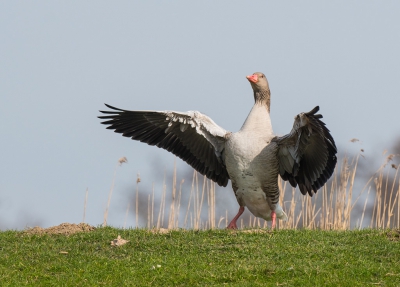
(378, 199)
(226, 218)
(384, 200)
(394, 200)
(210, 192)
(179, 202)
(303, 200)
(361, 193)
(349, 206)
(195, 204)
(212, 205)
(152, 206)
(390, 207)
(325, 210)
(341, 194)
(209, 207)
(148, 211)
(162, 203)
(137, 200)
(374, 210)
(292, 210)
(312, 225)
(365, 205)
(171, 219)
(84, 205)
(308, 211)
(220, 221)
(195, 195)
(281, 200)
(331, 212)
(126, 214)
(120, 162)
(398, 206)
(160, 222)
(390, 214)
(328, 197)
(109, 199)
(312, 214)
(205, 186)
(297, 221)
(190, 198)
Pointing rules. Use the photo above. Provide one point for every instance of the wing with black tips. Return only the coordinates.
(192, 136)
(307, 155)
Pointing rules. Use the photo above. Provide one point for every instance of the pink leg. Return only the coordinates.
(233, 225)
(273, 216)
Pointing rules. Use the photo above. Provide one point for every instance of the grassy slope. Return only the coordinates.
(217, 258)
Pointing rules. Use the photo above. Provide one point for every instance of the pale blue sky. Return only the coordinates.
(61, 60)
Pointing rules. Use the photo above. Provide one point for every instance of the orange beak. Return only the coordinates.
(252, 78)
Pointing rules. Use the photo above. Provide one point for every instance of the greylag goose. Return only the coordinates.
(251, 158)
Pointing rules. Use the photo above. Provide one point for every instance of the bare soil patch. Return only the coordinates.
(63, 229)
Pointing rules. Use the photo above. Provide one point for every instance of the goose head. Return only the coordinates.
(258, 82)
(262, 94)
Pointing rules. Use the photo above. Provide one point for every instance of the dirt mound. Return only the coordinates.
(63, 229)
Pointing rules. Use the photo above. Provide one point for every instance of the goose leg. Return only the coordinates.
(273, 216)
(233, 225)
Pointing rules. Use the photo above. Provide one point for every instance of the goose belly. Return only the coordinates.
(255, 200)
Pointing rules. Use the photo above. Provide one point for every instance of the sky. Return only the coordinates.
(60, 61)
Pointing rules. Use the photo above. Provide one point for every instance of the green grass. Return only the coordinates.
(202, 258)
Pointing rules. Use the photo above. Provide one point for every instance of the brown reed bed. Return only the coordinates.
(343, 203)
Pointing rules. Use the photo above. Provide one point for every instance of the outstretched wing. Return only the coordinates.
(307, 155)
(192, 136)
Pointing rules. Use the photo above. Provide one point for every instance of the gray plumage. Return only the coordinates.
(252, 157)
